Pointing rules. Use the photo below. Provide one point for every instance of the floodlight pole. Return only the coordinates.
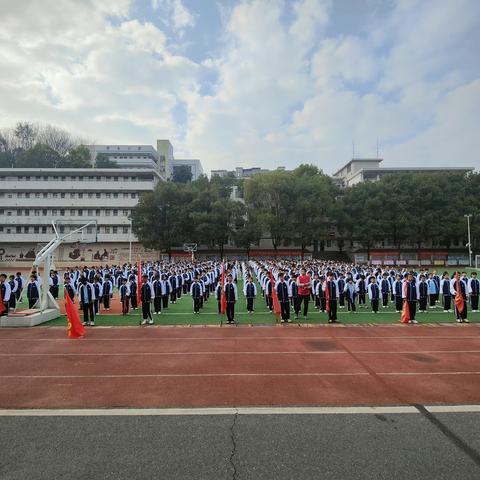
(468, 216)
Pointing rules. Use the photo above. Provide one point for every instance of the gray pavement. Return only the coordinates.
(341, 447)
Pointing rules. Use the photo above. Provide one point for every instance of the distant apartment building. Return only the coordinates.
(360, 170)
(241, 172)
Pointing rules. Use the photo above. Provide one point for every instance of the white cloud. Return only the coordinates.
(290, 86)
(180, 16)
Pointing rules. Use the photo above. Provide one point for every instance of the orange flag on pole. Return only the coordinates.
(223, 298)
(75, 329)
(139, 280)
(459, 302)
(327, 296)
(276, 303)
(405, 310)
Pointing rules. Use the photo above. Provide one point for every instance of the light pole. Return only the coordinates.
(130, 243)
(469, 244)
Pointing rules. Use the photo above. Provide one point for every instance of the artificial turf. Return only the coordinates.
(181, 313)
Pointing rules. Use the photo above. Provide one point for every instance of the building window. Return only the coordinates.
(27, 212)
(72, 213)
(45, 195)
(25, 229)
(107, 195)
(44, 229)
(37, 213)
(125, 213)
(44, 212)
(133, 195)
(107, 229)
(80, 213)
(54, 211)
(115, 213)
(107, 213)
(36, 229)
(115, 195)
(90, 212)
(62, 195)
(62, 212)
(114, 229)
(125, 229)
(62, 228)
(19, 212)
(18, 229)
(97, 213)
(125, 195)
(9, 214)
(90, 195)
(37, 195)
(98, 195)
(80, 195)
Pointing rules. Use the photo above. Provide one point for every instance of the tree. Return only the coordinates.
(268, 198)
(78, 157)
(57, 139)
(182, 174)
(26, 135)
(102, 160)
(40, 156)
(247, 233)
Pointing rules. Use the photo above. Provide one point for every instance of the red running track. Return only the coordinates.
(242, 366)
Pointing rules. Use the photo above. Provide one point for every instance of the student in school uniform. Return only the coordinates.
(473, 291)
(422, 293)
(316, 298)
(374, 294)
(13, 292)
(460, 286)
(196, 293)
(231, 295)
(398, 293)
(173, 287)
(250, 292)
(67, 284)
(86, 297)
(331, 292)
(97, 286)
(446, 295)
(53, 283)
(410, 296)
(294, 295)
(124, 292)
(341, 290)
(133, 292)
(146, 297)
(385, 289)
(218, 297)
(5, 290)
(362, 291)
(350, 292)
(165, 291)
(33, 291)
(107, 292)
(158, 292)
(433, 290)
(21, 286)
(179, 285)
(283, 297)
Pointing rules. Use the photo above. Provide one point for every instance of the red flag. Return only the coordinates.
(405, 318)
(223, 298)
(327, 296)
(75, 328)
(2, 305)
(459, 302)
(139, 280)
(276, 303)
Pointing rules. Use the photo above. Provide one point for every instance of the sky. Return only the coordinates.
(263, 83)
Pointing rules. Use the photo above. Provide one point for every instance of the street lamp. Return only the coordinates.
(469, 244)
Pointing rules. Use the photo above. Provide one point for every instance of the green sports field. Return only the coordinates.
(181, 313)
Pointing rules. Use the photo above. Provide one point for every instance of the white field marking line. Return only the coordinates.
(187, 375)
(140, 412)
(279, 337)
(207, 411)
(309, 352)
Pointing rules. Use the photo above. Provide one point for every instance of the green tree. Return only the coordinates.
(40, 156)
(102, 160)
(77, 157)
(182, 174)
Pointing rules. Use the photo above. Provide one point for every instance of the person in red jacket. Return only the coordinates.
(304, 286)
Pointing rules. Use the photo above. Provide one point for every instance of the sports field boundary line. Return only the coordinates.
(342, 410)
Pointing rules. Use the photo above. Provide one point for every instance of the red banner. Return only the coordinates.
(405, 318)
(75, 329)
(459, 302)
(276, 303)
(2, 305)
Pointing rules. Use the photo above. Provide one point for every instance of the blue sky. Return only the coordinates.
(251, 83)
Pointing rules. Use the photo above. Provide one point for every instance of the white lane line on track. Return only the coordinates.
(193, 375)
(309, 352)
(281, 338)
(354, 410)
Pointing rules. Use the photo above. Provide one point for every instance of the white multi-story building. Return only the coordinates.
(30, 198)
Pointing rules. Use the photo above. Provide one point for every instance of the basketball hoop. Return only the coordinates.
(190, 248)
